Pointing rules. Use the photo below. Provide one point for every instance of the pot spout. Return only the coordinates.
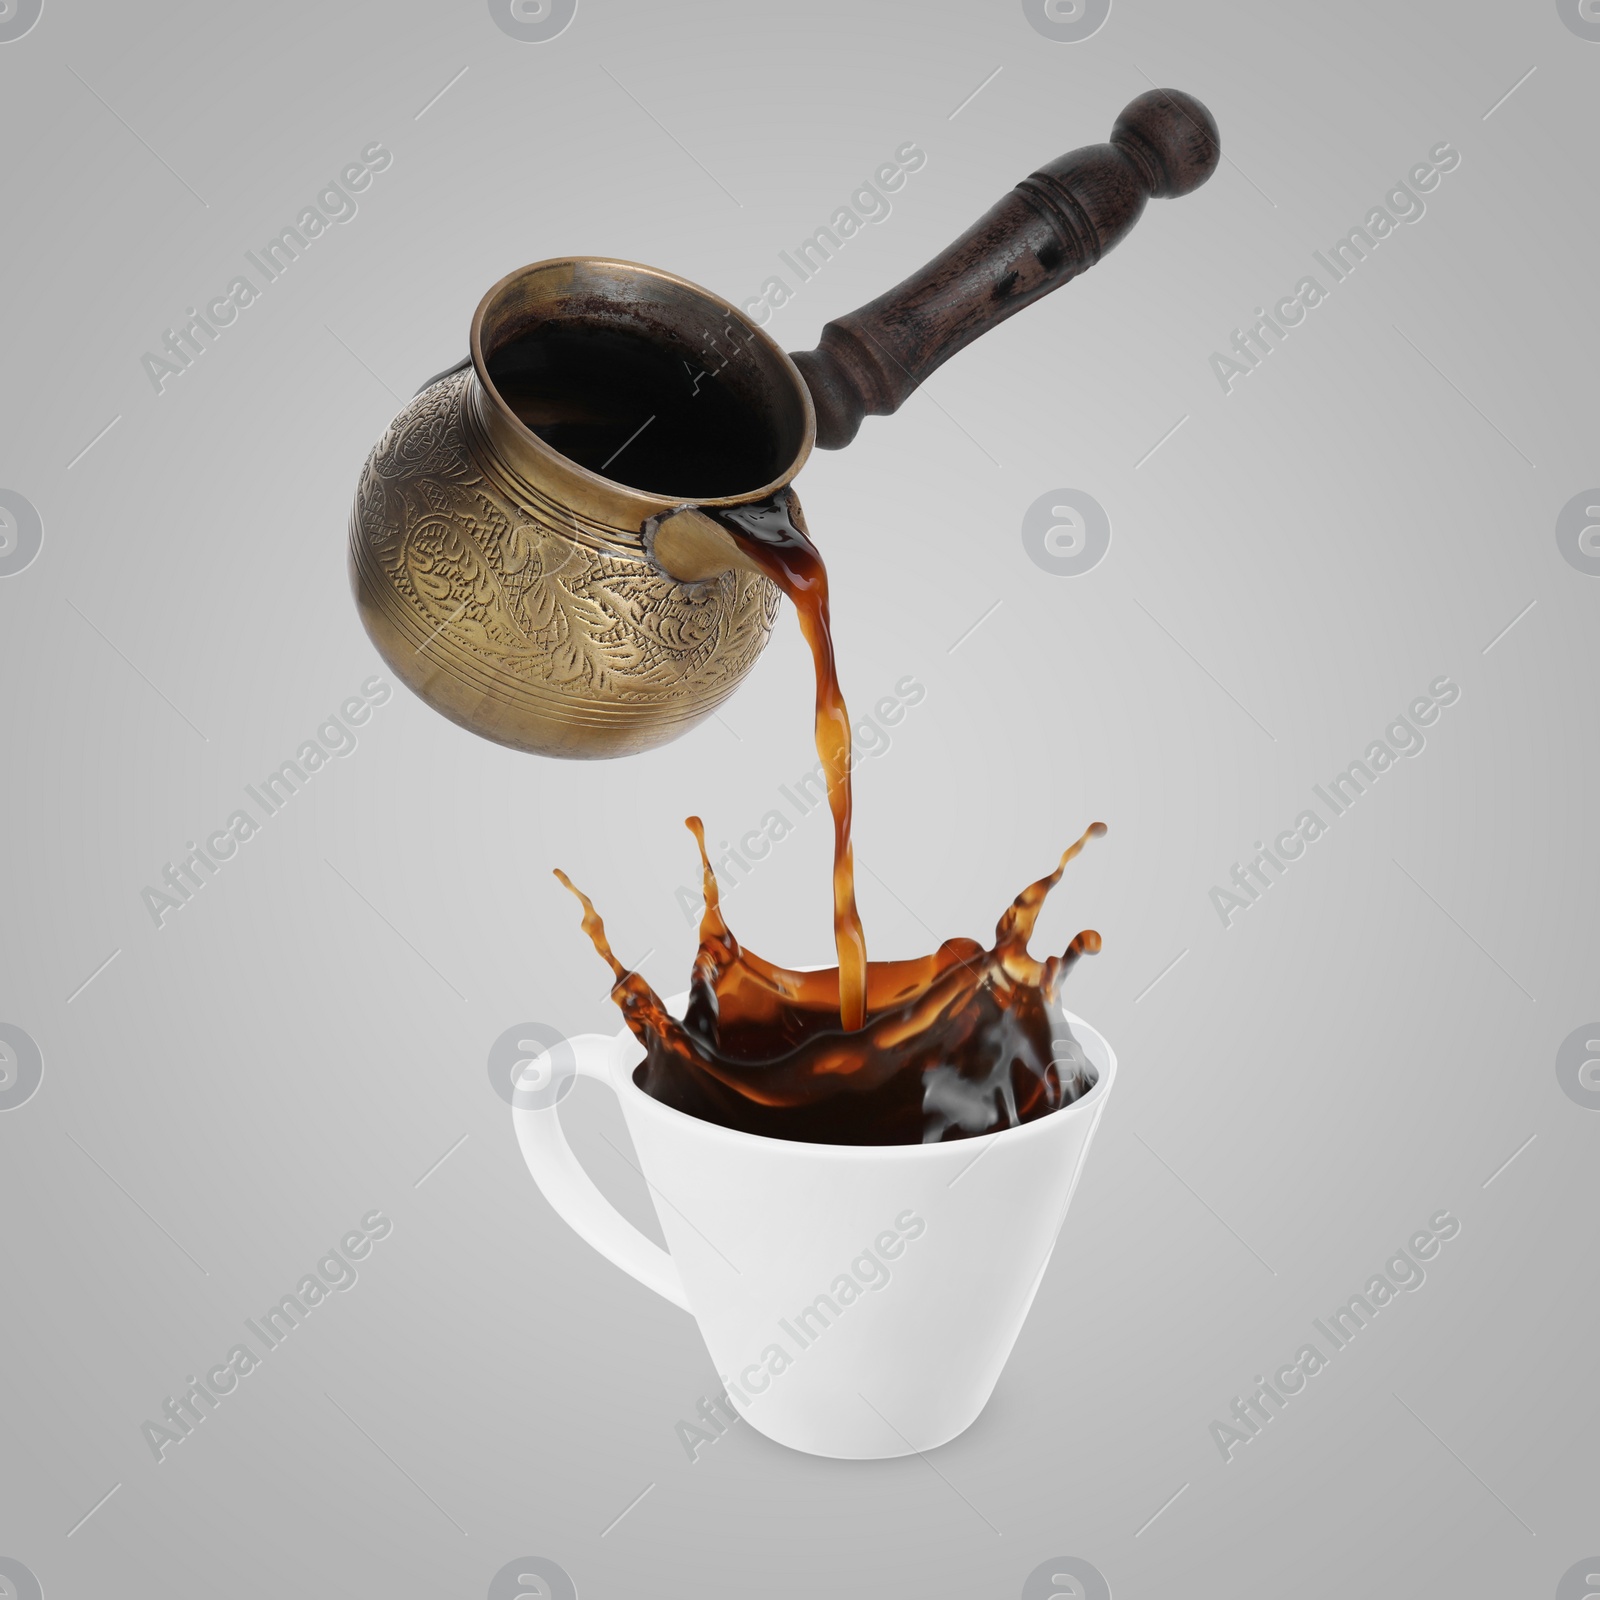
(691, 547)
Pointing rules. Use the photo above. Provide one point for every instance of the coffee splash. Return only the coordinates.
(965, 1041)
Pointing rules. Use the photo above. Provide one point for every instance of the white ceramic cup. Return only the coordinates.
(858, 1301)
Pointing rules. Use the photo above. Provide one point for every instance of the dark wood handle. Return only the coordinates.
(1051, 227)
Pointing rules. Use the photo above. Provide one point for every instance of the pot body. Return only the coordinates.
(510, 588)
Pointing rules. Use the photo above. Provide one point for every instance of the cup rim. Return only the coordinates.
(549, 454)
(621, 1080)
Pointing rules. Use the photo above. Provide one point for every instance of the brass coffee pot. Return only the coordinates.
(559, 610)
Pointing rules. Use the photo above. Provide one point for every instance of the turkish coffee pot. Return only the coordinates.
(525, 547)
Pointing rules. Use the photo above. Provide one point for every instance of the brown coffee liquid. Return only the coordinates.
(635, 411)
(962, 1042)
(773, 534)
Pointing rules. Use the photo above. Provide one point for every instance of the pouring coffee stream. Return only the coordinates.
(771, 535)
(961, 1042)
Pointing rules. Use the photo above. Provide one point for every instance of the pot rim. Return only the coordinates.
(552, 457)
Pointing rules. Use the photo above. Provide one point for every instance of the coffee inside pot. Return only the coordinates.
(635, 409)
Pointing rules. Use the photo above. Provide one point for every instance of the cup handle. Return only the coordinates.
(571, 1191)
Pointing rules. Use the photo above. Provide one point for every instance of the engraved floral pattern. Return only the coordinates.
(530, 598)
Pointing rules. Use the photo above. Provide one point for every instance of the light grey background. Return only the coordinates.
(305, 1040)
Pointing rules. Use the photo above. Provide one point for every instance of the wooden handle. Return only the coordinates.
(1050, 228)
